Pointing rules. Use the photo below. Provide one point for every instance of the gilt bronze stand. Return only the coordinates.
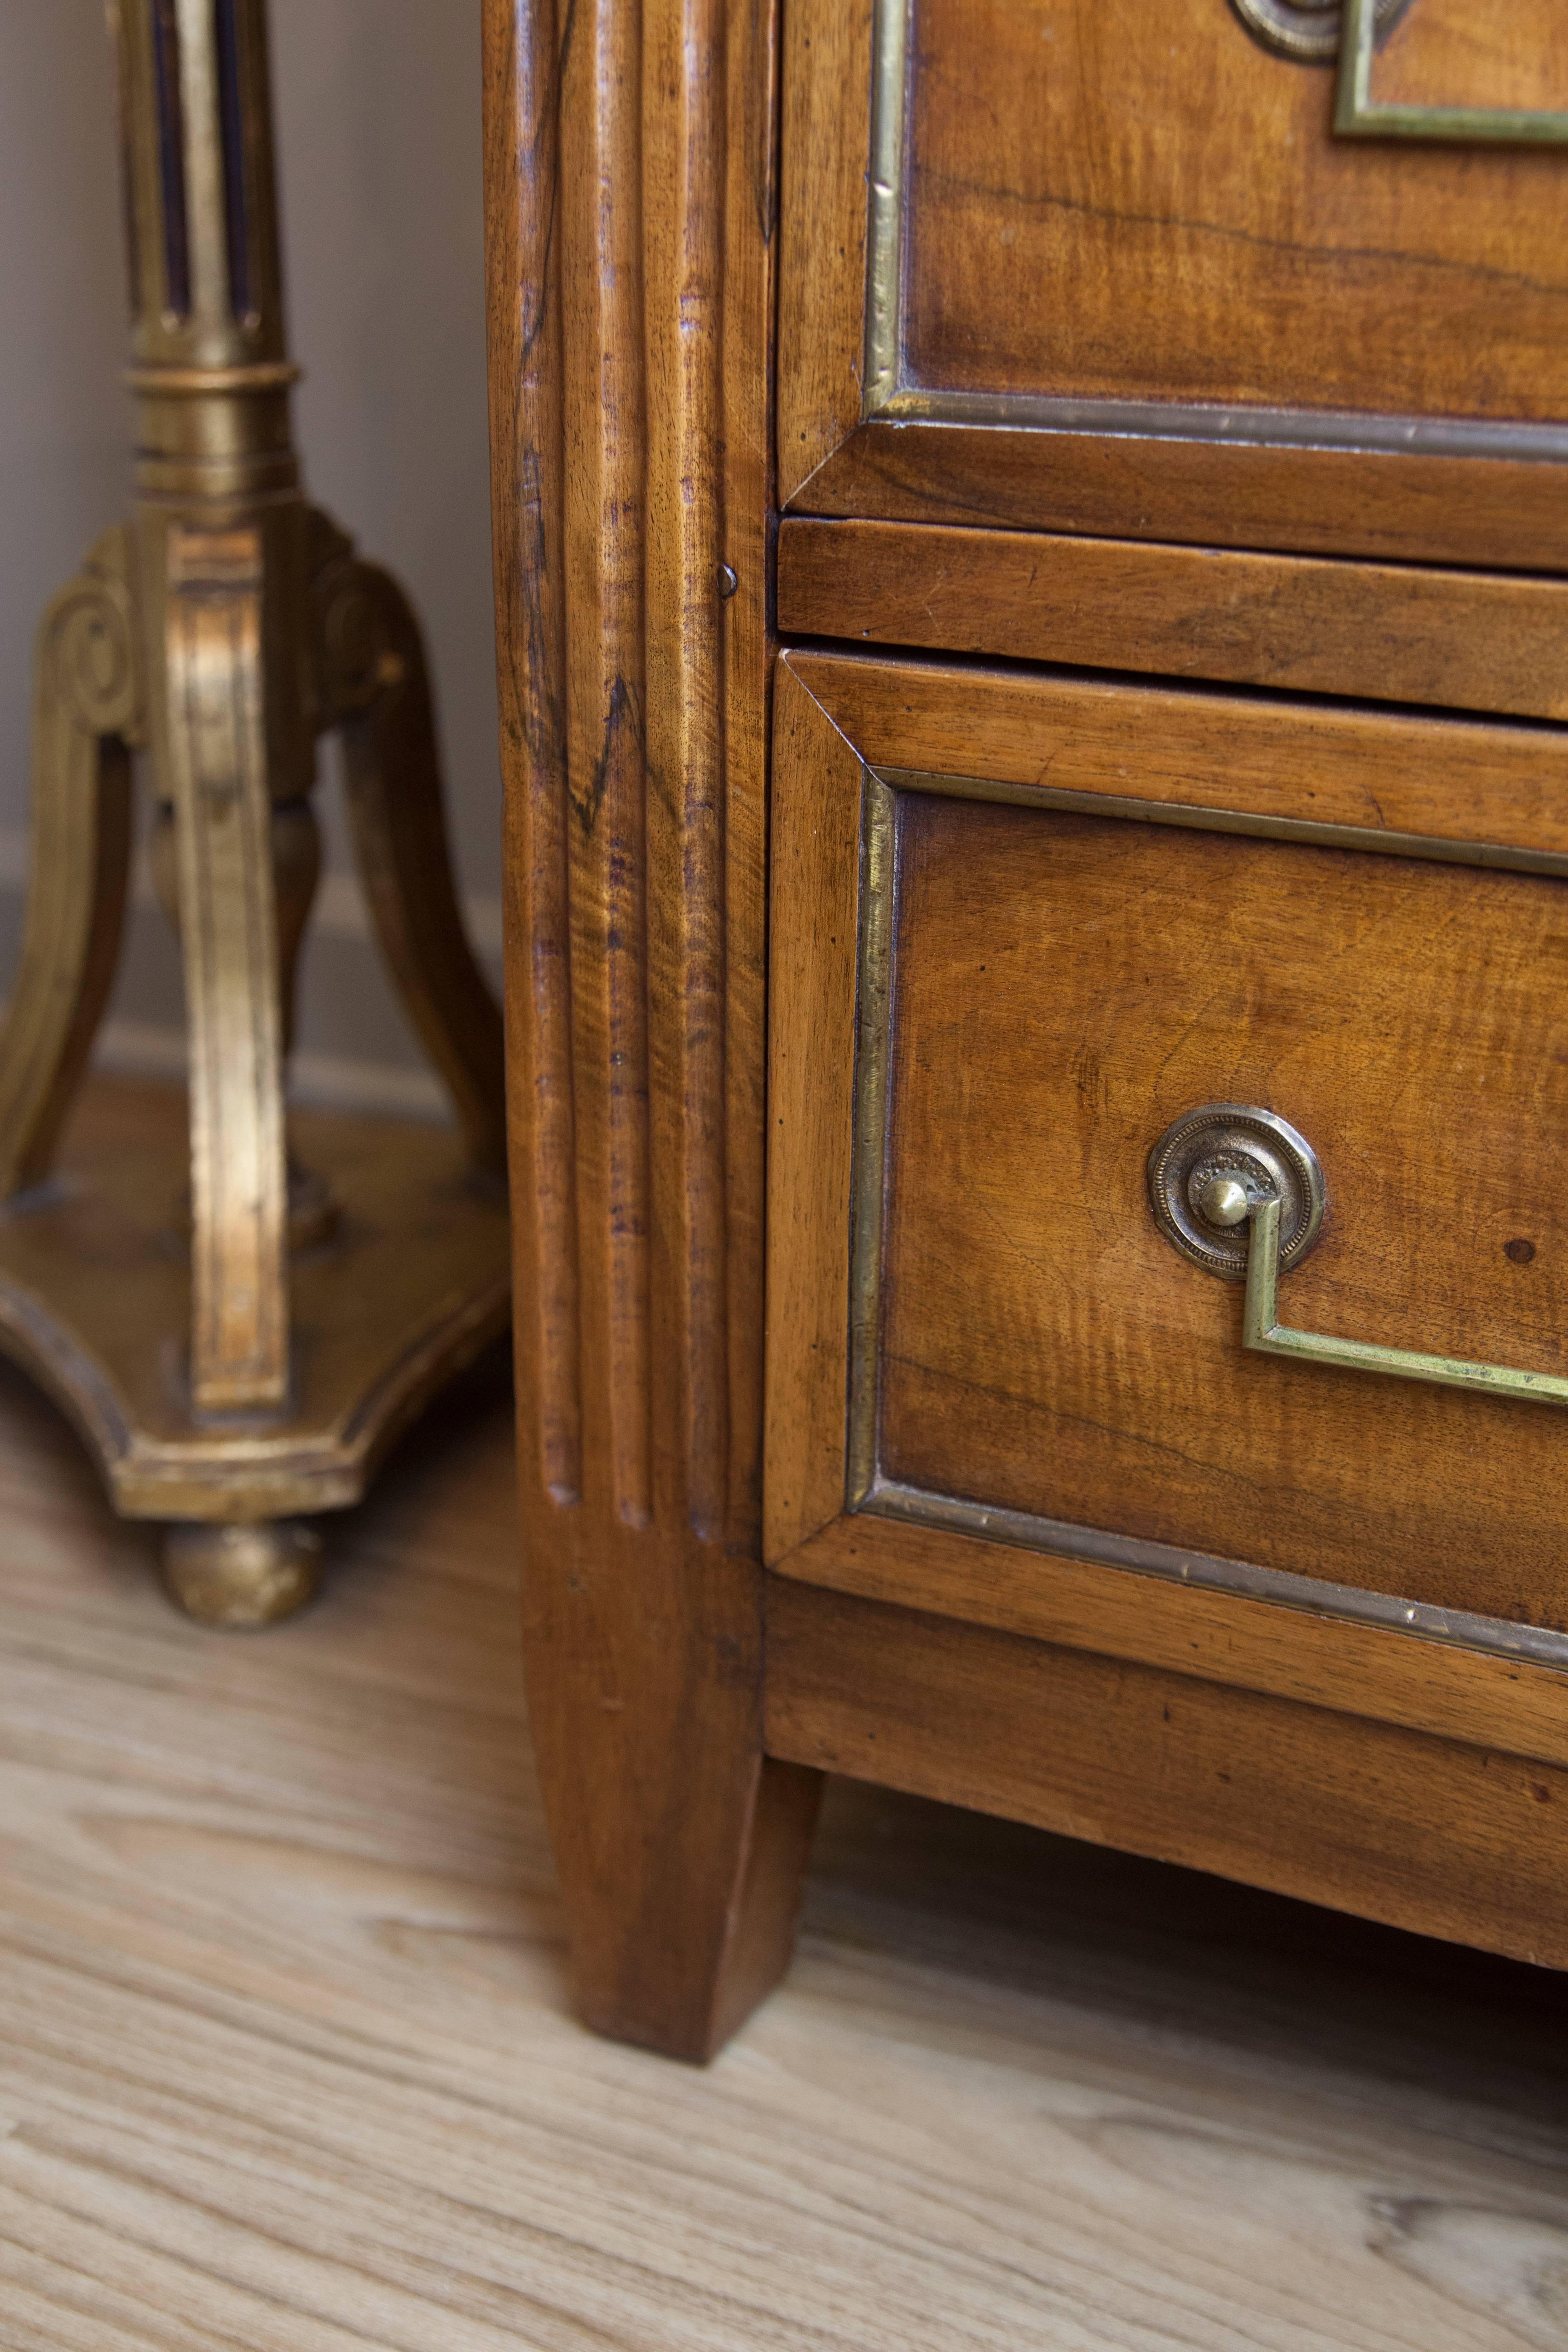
(237, 1336)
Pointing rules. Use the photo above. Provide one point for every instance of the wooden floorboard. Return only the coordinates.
(285, 2060)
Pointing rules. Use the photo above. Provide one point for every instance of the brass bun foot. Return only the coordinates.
(241, 1576)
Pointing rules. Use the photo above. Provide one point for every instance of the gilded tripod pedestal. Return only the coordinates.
(239, 1327)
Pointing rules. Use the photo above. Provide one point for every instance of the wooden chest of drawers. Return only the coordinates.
(1034, 642)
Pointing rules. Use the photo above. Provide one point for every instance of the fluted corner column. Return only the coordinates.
(630, 261)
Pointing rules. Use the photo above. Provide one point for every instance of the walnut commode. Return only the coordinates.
(238, 1377)
(1039, 527)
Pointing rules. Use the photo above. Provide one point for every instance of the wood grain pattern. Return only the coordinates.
(604, 481)
(1163, 265)
(1361, 1815)
(286, 2059)
(824, 150)
(1308, 762)
(1069, 985)
(629, 160)
(1400, 507)
(1450, 55)
(815, 882)
(1390, 633)
(747, 650)
(1233, 251)
(1081, 1604)
(523, 297)
(1222, 1638)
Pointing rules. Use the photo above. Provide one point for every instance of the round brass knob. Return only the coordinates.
(1212, 1168)
(1308, 30)
(1223, 1201)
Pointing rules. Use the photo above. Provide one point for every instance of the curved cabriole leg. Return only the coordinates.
(86, 706)
(376, 689)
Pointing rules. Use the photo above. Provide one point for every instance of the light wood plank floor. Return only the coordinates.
(288, 2063)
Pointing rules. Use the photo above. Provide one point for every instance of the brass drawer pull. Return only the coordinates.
(1228, 1166)
(1260, 1329)
(1358, 115)
(1309, 30)
(1314, 31)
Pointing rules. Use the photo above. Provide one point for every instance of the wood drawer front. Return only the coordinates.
(991, 995)
(1487, 641)
(1067, 986)
(1022, 239)
(1185, 227)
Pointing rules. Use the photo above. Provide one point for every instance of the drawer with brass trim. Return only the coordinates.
(1282, 275)
(1169, 1098)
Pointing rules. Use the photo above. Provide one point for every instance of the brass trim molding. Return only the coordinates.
(866, 1489)
(1496, 1637)
(884, 372)
(889, 397)
(1496, 855)
(873, 1037)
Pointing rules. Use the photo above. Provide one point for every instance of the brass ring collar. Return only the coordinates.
(197, 383)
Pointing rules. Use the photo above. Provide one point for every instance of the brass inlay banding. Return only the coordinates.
(873, 1023)
(889, 397)
(885, 228)
(866, 1487)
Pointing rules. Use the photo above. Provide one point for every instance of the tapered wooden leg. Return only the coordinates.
(630, 302)
(681, 1848)
(86, 704)
(376, 689)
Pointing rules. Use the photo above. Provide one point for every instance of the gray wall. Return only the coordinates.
(377, 108)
